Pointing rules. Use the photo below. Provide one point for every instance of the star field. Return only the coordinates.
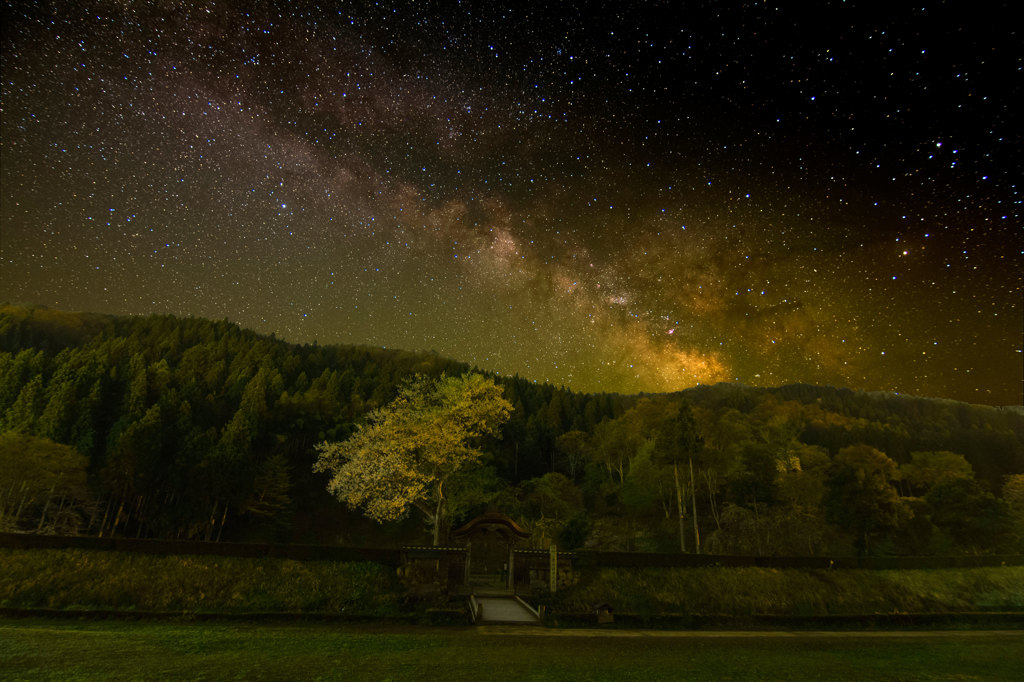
(617, 197)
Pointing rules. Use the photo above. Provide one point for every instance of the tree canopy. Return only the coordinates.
(193, 428)
(406, 452)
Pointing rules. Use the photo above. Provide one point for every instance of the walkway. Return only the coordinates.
(504, 610)
(499, 629)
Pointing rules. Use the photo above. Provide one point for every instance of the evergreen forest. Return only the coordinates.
(186, 428)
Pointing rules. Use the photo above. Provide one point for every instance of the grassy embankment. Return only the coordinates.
(83, 580)
(792, 592)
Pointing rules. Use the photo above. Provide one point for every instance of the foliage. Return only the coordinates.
(647, 492)
(553, 501)
(43, 486)
(925, 470)
(1013, 495)
(407, 452)
(772, 531)
(194, 428)
(189, 426)
(972, 516)
(677, 442)
(861, 498)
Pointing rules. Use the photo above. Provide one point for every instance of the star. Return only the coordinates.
(607, 201)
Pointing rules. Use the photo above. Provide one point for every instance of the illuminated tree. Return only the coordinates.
(408, 451)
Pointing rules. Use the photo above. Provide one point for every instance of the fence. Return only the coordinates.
(390, 557)
(585, 559)
(525, 560)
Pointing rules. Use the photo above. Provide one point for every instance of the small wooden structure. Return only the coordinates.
(490, 541)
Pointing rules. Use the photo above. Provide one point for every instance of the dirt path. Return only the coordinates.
(512, 630)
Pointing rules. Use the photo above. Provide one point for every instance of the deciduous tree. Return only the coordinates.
(677, 443)
(925, 470)
(43, 486)
(972, 516)
(860, 496)
(407, 452)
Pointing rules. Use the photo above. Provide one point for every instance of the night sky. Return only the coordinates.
(612, 197)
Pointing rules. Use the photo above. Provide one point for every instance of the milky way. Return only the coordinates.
(634, 197)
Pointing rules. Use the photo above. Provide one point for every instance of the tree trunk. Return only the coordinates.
(117, 517)
(3, 501)
(20, 506)
(106, 515)
(714, 502)
(679, 506)
(94, 509)
(139, 515)
(60, 508)
(223, 520)
(213, 520)
(127, 519)
(46, 507)
(693, 498)
(17, 514)
(757, 528)
(103, 519)
(666, 505)
(439, 514)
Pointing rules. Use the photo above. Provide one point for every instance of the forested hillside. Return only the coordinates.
(188, 428)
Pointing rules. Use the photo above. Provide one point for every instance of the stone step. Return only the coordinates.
(504, 610)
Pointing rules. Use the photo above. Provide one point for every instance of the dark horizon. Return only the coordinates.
(474, 368)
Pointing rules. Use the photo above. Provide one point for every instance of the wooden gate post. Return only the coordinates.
(553, 570)
(511, 569)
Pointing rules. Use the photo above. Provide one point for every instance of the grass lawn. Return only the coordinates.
(52, 649)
